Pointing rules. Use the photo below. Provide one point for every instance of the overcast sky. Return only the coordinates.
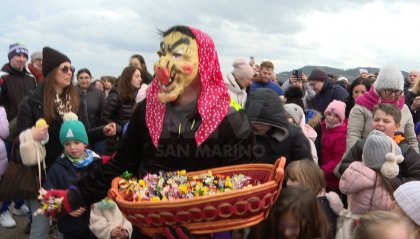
(102, 34)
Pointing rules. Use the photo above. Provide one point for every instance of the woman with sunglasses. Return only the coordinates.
(388, 88)
(51, 100)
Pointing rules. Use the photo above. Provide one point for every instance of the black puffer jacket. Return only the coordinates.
(15, 85)
(409, 99)
(32, 108)
(409, 168)
(284, 139)
(95, 100)
(118, 111)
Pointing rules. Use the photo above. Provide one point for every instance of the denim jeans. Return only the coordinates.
(40, 227)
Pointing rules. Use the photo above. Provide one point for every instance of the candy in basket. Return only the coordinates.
(207, 212)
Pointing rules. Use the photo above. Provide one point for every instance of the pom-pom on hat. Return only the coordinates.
(16, 49)
(337, 107)
(377, 145)
(242, 69)
(72, 129)
(318, 75)
(407, 197)
(51, 59)
(389, 77)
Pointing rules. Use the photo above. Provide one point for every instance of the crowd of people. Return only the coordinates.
(350, 144)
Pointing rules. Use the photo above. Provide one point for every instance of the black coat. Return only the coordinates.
(95, 100)
(329, 92)
(409, 168)
(231, 143)
(32, 108)
(284, 139)
(118, 111)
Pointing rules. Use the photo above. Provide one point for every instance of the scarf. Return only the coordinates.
(371, 98)
(84, 161)
(106, 204)
(213, 103)
(62, 107)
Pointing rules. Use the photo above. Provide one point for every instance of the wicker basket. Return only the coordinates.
(213, 213)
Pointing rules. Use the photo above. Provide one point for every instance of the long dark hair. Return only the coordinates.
(350, 101)
(145, 74)
(49, 96)
(125, 89)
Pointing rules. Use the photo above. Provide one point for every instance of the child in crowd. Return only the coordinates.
(296, 116)
(75, 162)
(386, 118)
(4, 133)
(368, 182)
(274, 135)
(107, 221)
(307, 173)
(407, 205)
(381, 225)
(296, 214)
(19, 208)
(333, 141)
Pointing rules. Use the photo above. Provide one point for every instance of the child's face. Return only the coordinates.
(75, 149)
(260, 128)
(289, 226)
(332, 118)
(385, 123)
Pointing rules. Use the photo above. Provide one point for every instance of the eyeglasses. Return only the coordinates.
(389, 92)
(66, 69)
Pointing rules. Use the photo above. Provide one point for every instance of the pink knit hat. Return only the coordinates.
(337, 107)
(242, 69)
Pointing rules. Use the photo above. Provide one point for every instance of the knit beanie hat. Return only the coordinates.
(337, 107)
(295, 112)
(51, 59)
(241, 69)
(377, 145)
(389, 77)
(72, 129)
(407, 197)
(36, 55)
(16, 49)
(318, 75)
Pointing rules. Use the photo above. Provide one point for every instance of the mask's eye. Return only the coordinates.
(178, 53)
(162, 47)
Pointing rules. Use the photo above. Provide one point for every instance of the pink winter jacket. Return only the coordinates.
(311, 134)
(358, 182)
(4, 133)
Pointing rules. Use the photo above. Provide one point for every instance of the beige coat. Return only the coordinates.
(102, 221)
(360, 125)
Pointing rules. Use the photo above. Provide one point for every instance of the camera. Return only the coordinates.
(297, 74)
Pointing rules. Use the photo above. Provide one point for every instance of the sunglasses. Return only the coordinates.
(66, 69)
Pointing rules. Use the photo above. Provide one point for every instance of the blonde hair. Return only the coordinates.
(307, 173)
(370, 223)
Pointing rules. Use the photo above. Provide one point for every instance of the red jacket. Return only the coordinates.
(333, 145)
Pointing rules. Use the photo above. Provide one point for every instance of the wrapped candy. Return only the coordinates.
(50, 207)
(177, 185)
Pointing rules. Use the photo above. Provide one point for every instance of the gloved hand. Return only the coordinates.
(179, 233)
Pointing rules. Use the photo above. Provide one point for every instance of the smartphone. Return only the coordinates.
(297, 74)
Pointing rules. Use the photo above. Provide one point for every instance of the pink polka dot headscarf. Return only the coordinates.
(213, 103)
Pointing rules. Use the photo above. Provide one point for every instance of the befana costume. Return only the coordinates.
(186, 122)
